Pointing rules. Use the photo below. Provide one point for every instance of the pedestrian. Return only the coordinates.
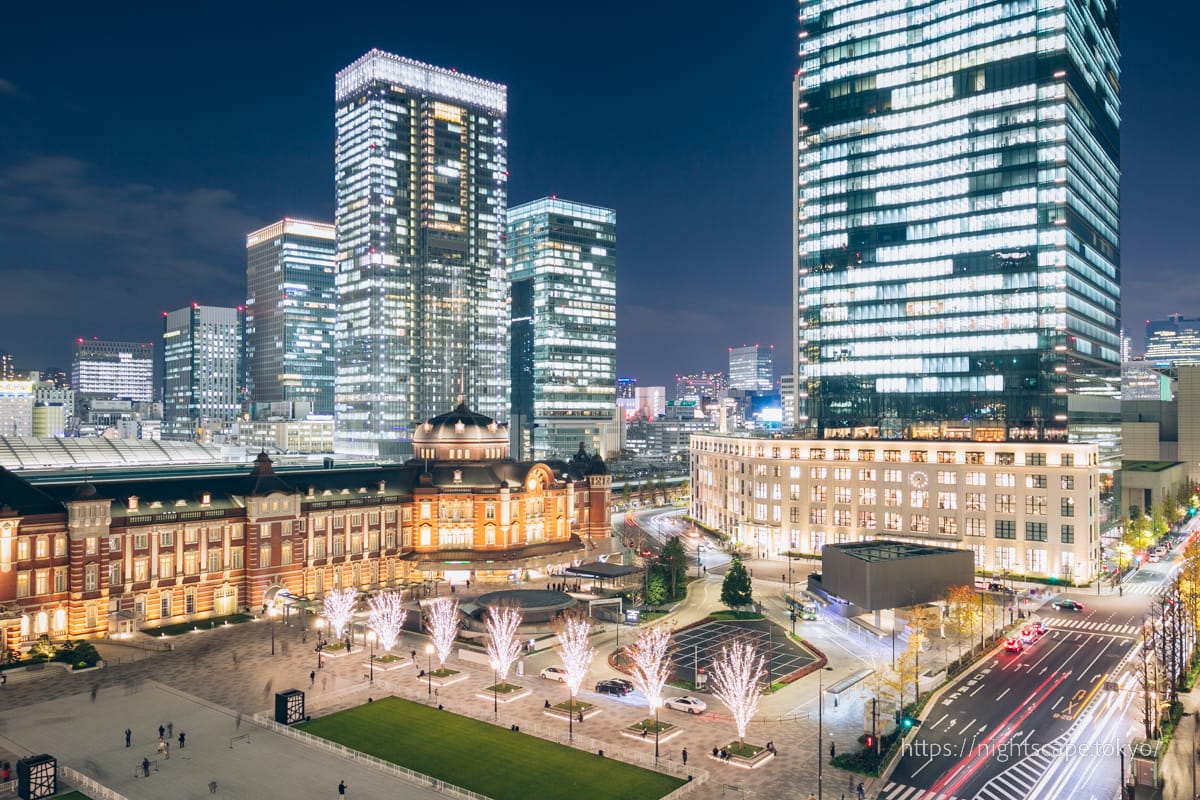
(182, 737)
(3, 679)
(312, 677)
(159, 748)
(862, 793)
(684, 754)
(170, 729)
(212, 787)
(324, 682)
(128, 736)
(233, 655)
(95, 690)
(812, 796)
(162, 731)
(167, 750)
(146, 767)
(341, 788)
(414, 656)
(237, 722)
(832, 750)
(581, 716)
(644, 731)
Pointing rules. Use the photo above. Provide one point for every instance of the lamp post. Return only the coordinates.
(371, 640)
(657, 706)
(495, 690)
(269, 613)
(429, 671)
(320, 640)
(820, 725)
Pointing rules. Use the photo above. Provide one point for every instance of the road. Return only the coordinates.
(1047, 722)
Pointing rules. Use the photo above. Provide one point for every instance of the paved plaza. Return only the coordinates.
(210, 677)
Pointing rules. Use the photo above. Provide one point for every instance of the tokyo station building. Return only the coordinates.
(115, 552)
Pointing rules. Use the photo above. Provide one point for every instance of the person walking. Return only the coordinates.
(684, 754)
(182, 738)
(128, 737)
(212, 787)
(862, 793)
(167, 750)
(95, 690)
(312, 678)
(832, 750)
(162, 731)
(145, 767)
(170, 729)
(341, 788)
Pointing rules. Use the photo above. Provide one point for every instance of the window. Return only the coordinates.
(1035, 531)
(1067, 532)
(214, 560)
(264, 555)
(817, 493)
(23, 583)
(190, 536)
(60, 546)
(166, 566)
(1006, 458)
(976, 526)
(165, 538)
(918, 456)
(841, 517)
(891, 497)
(114, 574)
(164, 605)
(866, 495)
(948, 500)
(976, 501)
(60, 578)
(1035, 504)
(1066, 507)
(1067, 482)
(817, 516)
(866, 474)
(214, 534)
(841, 474)
(191, 562)
(893, 476)
(918, 498)
(141, 569)
(945, 456)
(41, 548)
(866, 455)
(285, 554)
(390, 515)
(974, 457)
(1006, 479)
(1068, 459)
(237, 558)
(1037, 481)
(91, 545)
(1006, 504)
(91, 578)
(841, 454)
(891, 455)
(1035, 459)
(891, 521)
(816, 454)
(318, 547)
(841, 494)
(41, 581)
(794, 514)
(976, 479)
(866, 520)
(114, 544)
(339, 546)
(189, 601)
(948, 526)
(356, 520)
(919, 523)
(819, 473)
(947, 478)
(1006, 529)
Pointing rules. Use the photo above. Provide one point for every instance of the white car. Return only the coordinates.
(555, 673)
(692, 705)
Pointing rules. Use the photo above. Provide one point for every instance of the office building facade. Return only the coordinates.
(957, 200)
(203, 380)
(1174, 341)
(421, 165)
(291, 311)
(752, 367)
(113, 370)
(562, 263)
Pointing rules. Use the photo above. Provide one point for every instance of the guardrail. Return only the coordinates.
(97, 791)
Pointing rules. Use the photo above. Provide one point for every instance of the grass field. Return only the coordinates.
(484, 758)
(72, 796)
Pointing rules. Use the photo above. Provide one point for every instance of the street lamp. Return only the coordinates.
(657, 706)
(429, 672)
(371, 640)
(320, 640)
(495, 689)
(269, 613)
(820, 724)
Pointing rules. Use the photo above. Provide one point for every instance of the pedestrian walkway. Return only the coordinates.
(1074, 623)
(1155, 589)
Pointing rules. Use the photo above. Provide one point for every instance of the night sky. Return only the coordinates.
(139, 143)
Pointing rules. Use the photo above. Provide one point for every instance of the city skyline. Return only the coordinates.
(150, 210)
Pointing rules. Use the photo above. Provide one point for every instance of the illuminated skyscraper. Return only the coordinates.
(202, 371)
(1175, 339)
(290, 313)
(752, 367)
(562, 260)
(421, 196)
(108, 370)
(957, 200)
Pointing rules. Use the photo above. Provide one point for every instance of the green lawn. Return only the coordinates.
(180, 628)
(484, 758)
(72, 796)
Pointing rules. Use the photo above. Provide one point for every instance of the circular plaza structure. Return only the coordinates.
(538, 606)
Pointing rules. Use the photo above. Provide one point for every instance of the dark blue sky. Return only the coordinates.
(138, 145)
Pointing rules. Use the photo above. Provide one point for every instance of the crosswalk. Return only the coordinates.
(1145, 588)
(1017, 781)
(1075, 623)
(898, 791)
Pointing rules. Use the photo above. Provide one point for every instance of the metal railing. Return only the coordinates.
(97, 791)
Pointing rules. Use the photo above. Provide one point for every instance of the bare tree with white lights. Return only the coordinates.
(339, 606)
(735, 681)
(651, 659)
(441, 620)
(387, 618)
(503, 647)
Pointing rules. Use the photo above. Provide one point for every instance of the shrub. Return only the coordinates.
(42, 650)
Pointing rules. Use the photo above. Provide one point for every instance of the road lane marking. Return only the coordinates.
(1006, 691)
(972, 722)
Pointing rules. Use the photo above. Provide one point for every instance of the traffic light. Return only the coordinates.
(907, 723)
(870, 740)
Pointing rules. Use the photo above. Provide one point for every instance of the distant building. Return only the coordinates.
(562, 261)
(1173, 341)
(313, 434)
(651, 402)
(1166, 428)
(1142, 380)
(787, 400)
(113, 370)
(53, 410)
(421, 172)
(202, 372)
(627, 396)
(291, 313)
(16, 408)
(7, 370)
(752, 367)
(700, 385)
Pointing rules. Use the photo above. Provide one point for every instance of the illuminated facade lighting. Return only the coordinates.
(202, 373)
(421, 169)
(957, 215)
(113, 369)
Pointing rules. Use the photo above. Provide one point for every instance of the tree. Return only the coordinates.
(735, 681)
(575, 649)
(441, 620)
(736, 590)
(503, 647)
(673, 562)
(651, 658)
(387, 618)
(656, 590)
(965, 612)
(339, 606)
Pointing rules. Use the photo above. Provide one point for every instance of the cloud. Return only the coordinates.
(82, 255)
(7, 87)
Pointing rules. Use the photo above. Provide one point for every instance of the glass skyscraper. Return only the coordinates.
(202, 373)
(421, 287)
(752, 367)
(108, 369)
(957, 201)
(290, 313)
(562, 260)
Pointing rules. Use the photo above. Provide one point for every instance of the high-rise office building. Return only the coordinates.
(202, 370)
(421, 286)
(562, 261)
(957, 201)
(291, 309)
(700, 384)
(752, 367)
(113, 370)
(1175, 340)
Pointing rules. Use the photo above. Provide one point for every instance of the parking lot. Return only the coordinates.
(698, 647)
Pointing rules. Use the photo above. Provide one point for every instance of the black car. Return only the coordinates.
(1067, 604)
(999, 587)
(618, 686)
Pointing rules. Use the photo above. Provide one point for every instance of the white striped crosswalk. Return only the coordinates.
(1075, 623)
(898, 791)
(1144, 588)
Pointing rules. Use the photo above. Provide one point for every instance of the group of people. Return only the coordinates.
(165, 732)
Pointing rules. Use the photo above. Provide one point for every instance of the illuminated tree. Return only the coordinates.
(339, 606)
(441, 620)
(503, 646)
(387, 618)
(735, 681)
(651, 659)
(575, 649)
